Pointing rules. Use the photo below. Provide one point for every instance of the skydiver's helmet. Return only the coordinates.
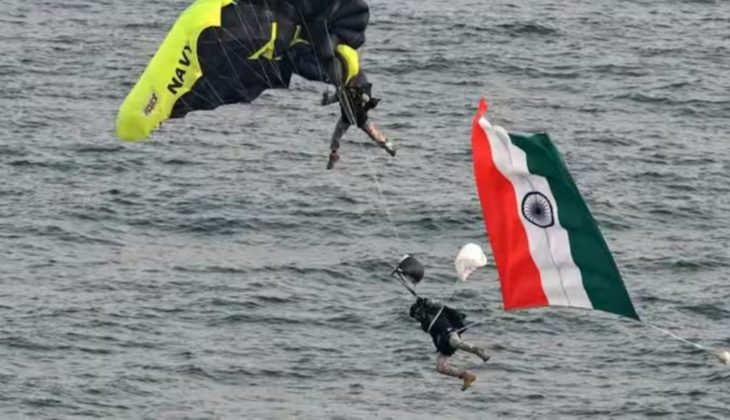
(410, 268)
(418, 311)
(360, 82)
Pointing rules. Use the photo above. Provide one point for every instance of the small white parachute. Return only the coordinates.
(470, 257)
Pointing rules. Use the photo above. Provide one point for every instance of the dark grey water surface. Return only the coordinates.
(218, 271)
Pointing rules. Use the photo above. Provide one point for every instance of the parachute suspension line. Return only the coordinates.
(212, 88)
(340, 90)
(274, 61)
(405, 284)
(246, 30)
(197, 95)
(352, 120)
(230, 63)
(248, 33)
(446, 302)
(272, 35)
(383, 202)
(481, 321)
(485, 303)
(314, 48)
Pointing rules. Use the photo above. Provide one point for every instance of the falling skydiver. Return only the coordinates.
(444, 324)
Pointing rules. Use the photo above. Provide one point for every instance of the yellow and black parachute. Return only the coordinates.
(223, 52)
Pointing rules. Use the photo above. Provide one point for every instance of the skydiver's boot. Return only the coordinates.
(379, 138)
(334, 157)
(482, 354)
(469, 379)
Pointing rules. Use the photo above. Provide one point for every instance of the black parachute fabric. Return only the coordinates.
(410, 268)
(220, 52)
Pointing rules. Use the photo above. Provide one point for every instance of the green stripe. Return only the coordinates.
(601, 278)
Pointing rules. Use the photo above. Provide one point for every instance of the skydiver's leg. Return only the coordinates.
(340, 130)
(378, 137)
(442, 366)
(456, 342)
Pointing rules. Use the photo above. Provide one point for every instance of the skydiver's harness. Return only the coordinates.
(439, 332)
(355, 103)
(359, 100)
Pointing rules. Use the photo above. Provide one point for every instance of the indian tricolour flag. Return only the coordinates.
(547, 247)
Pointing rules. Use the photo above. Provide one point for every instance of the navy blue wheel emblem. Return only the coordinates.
(537, 210)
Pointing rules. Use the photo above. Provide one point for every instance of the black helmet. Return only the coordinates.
(418, 311)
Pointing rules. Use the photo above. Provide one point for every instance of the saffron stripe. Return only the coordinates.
(518, 274)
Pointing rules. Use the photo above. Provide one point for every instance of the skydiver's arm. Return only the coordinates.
(327, 99)
(373, 132)
(378, 137)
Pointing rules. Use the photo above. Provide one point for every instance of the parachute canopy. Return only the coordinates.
(470, 257)
(223, 52)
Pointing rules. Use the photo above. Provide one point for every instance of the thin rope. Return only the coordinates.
(678, 338)
(722, 355)
(383, 201)
(351, 117)
(453, 289)
(472, 324)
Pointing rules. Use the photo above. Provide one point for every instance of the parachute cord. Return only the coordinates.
(314, 48)
(351, 117)
(260, 27)
(453, 289)
(405, 284)
(383, 201)
(373, 173)
(341, 95)
(481, 321)
(485, 305)
(722, 355)
(675, 336)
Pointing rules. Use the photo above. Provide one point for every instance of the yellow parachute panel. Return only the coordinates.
(170, 74)
(352, 61)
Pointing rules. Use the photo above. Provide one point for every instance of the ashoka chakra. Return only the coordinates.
(537, 210)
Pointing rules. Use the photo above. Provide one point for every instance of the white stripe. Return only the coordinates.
(550, 248)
